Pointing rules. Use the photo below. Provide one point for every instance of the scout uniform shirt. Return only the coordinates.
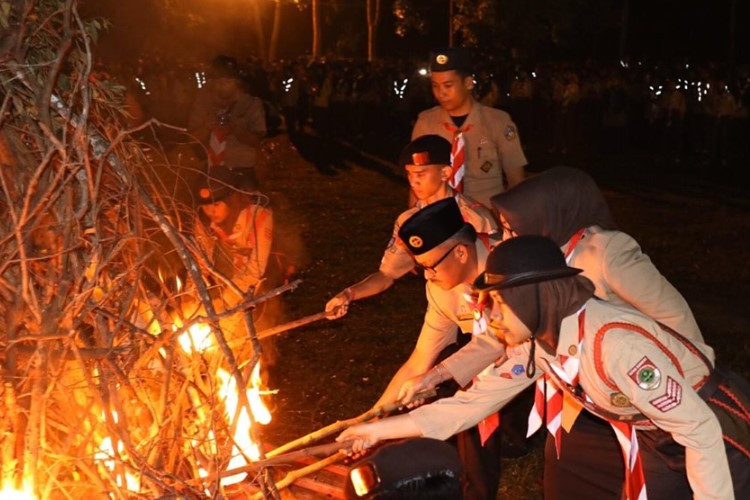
(491, 146)
(622, 373)
(447, 309)
(622, 274)
(397, 260)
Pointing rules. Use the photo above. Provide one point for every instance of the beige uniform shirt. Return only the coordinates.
(447, 309)
(607, 373)
(397, 260)
(492, 146)
(621, 273)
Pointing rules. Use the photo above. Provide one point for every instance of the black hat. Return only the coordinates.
(411, 467)
(225, 67)
(448, 59)
(214, 185)
(522, 260)
(431, 226)
(426, 150)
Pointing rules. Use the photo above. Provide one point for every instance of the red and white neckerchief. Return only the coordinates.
(458, 156)
(635, 480)
(217, 146)
(549, 395)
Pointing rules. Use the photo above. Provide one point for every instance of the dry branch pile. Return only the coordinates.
(102, 392)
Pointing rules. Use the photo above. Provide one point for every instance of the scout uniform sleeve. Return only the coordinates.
(509, 144)
(438, 330)
(653, 384)
(397, 260)
(474, 357)
(495, 387)
(634, 278)
(421, 127)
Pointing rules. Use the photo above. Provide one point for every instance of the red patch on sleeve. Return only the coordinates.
(671, 399)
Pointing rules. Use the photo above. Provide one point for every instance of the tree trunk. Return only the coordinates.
(373, 20)
(624, 21)
(317, 36)
(274, 44)
(259, 33)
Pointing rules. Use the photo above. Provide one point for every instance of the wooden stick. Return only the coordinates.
(268, 332)
(344, 424)
(304, 471)
(322, 450)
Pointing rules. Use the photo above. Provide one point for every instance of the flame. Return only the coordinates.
(197, 337)
(105, 455)
(242, 438)
(11, 493)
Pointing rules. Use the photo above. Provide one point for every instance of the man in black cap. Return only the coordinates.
(427, 163)
(228, 122)
(485, 141)
(414, 469)
(447, 250)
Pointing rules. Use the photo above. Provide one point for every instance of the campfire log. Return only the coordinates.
(268, 332)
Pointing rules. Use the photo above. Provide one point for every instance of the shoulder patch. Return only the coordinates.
(645, 374)
(510, 132)
(671, 399)
(517, 370)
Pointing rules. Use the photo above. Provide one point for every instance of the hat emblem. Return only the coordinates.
(422, 158)
(416, 242)
(441, 59)
(204, 193)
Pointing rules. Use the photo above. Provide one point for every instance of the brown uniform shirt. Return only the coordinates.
(621, 273)
(608, 372)
(492, 146)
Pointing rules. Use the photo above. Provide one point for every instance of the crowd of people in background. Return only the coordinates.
(675, 114)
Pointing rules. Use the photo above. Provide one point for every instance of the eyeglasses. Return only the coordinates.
(441, 259)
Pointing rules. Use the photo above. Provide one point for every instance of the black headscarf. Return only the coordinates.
(542, 307)
(556, 203)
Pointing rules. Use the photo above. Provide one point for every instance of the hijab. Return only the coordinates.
(556, 203)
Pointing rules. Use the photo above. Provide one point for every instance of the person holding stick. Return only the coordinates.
(427, 161)
(682, 422)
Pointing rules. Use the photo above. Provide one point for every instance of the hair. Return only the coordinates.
(467, 235)
(464, 73)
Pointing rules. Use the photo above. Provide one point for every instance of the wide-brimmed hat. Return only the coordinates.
(426, 150)
(432, 225)
(523, 260)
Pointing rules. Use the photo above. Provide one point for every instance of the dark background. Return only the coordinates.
(540, 29)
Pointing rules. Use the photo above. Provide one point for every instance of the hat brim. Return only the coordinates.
(524, 278)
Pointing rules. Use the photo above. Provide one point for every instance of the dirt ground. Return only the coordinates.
(696, 233)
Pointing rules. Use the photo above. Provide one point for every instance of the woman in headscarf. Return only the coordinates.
(660, 392)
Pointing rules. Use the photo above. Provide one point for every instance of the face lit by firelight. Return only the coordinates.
(426, 180)
(217, 212)
(504, 324)
(452, 92)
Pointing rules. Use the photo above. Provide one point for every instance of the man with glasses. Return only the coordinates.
(427, 161)
(448, 251)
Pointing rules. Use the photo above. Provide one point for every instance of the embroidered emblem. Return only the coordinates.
(441, 59)
(415, 242)
(505, 375)
(645, 374)
(573, 350)
(510, 132)
(517, 370)
(204, 193)
(671, 399)
(619, 400)
(486, 166)
(420, 159)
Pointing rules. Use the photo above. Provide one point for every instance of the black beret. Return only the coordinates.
(214, 185)
(448, 59)
(426, 150)
(522, 260)
(431, 226)
(411, 467)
